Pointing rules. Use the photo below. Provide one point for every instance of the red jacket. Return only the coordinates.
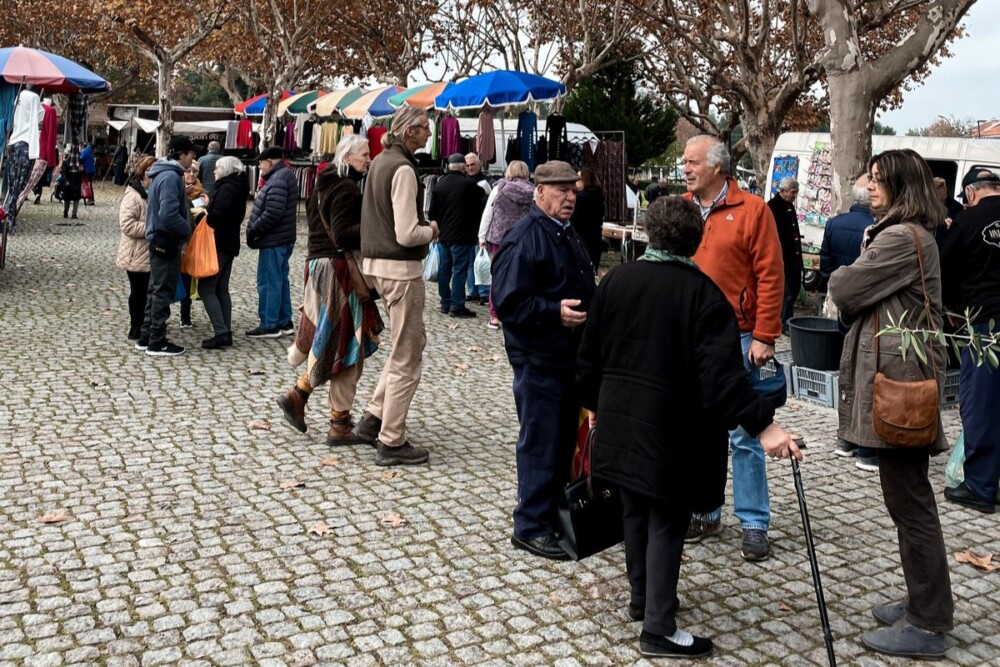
(741, 253)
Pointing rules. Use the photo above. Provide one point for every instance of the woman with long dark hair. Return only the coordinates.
(340, 323)
(886, 281)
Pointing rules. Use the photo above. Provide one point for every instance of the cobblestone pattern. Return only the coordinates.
(182, 548)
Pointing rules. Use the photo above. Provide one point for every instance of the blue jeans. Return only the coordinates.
(454, 265)
(751, 503)
(274, 297)
(978, 389)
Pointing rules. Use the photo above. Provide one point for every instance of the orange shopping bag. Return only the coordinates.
(200, 259)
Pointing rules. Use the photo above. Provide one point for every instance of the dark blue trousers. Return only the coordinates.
(549, 412)
(453, 267)
(978, 391)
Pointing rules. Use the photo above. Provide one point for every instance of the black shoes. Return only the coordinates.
(546, 546)
(635, 613)
(462, 312)
(264, 333)
(658, 646)
(141, 343)
(164, 349)
(133, 334)
(286, 329)
(403, 455)
(186, 323)
(966, 497)
(216, 342)
(907, 641)
(368, 428)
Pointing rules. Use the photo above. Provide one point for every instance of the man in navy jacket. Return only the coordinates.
(167, 229)
(272, 230)
(543, 283)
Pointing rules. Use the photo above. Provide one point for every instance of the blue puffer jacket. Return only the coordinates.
(167, 212)
(272, 222)
(842, 239)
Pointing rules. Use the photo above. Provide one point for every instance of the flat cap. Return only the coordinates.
(271, 153)
(555, 171)
(456, 158)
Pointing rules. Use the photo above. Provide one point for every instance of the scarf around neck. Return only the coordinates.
(662, 256)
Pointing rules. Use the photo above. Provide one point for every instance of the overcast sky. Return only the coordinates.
(965, 85)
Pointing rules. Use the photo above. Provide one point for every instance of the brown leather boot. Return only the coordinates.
(293, 405)
(342, 433)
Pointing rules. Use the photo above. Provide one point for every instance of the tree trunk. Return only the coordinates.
(852, 117)
(759, 139)
(267, 123)
(165, 88)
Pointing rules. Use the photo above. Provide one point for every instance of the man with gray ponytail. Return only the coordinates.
(394, 239)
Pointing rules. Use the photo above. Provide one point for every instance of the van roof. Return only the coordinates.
(975, 150)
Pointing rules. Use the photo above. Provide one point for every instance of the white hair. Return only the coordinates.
(228, 165)
(347, 147)
(456, 167)
(473, 156)
(788, 183)
(718, 154)
(861, 195)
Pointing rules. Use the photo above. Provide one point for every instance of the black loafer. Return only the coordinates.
(966, 497)
(658, 646)
(546, 546)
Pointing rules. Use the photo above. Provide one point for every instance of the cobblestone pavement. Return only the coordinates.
(182, 546)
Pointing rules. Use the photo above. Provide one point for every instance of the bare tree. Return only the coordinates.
(862, 70)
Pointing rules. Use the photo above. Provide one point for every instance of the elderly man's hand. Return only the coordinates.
(571, 318)
(778, 444)
(760, 353)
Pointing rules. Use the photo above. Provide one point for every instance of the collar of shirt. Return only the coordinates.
(707, 210)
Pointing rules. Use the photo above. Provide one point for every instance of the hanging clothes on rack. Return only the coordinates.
(608, 161)
(557, 136)
(76, 128)
(22, 148)
(451, 136)
(486, 141)
(244, 135)
(48, 140)
(527, 127)
(232, 128)
(375, 135)
(279, 134)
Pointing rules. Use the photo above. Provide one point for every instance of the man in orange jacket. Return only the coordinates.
(741, 253)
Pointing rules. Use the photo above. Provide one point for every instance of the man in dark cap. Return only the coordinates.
(272, 230)
(457, 207)
(167, 229)
(543, 283)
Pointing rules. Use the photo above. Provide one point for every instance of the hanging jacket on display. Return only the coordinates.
(558, 137)
(527, 126)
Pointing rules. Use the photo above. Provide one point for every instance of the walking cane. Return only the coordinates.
(811, 548)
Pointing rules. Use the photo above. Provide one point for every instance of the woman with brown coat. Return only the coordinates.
(133, 248)
(880, 286)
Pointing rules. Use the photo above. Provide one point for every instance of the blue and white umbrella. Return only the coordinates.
(498, 89)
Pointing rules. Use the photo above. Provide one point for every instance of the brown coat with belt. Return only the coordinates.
(886, 276)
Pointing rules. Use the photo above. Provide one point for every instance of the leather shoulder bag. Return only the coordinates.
(905, 413)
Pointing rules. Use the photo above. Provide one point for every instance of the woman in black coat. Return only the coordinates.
(588, 216)
(661, 365)
(225, 215)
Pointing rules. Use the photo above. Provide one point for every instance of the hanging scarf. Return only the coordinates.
(662, 256)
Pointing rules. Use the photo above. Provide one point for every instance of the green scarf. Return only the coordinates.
(654, 255)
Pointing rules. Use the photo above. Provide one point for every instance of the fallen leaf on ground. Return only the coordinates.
(474, 348)
(320, 529)
(392, 474)
(495, 357)
(107, 313)
(55, 517)
(392, 519)
(462, 366)
(784, 607)
(685, 558)
(330, 461)
(292, 484)
(256, 371)
(259, 425)
(452, 327)
(982, 562)
(70, 284)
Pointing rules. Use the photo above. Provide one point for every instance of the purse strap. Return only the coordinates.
(588, 446)
(927, 300)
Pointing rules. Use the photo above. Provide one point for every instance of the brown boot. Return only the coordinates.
(293, 404)
(342, 433)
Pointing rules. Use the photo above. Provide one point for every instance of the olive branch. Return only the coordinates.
(984, 347)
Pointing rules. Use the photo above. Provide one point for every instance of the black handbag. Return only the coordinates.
(590, 513)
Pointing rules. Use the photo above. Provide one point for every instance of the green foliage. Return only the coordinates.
(983, 347)
(610, 100)
(197, 90)
(881, 129)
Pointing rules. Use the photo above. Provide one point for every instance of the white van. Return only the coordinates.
(806, 157)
